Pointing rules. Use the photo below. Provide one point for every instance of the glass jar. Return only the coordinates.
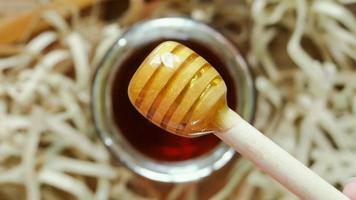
(139, 35)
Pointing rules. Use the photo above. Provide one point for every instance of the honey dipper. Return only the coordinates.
(179, 91)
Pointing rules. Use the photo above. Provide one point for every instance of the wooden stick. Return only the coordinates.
(273, 160)
(12, 29)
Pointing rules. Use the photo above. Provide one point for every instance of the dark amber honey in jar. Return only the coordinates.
(144, 136)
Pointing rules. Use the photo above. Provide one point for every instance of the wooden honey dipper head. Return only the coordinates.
(178, 90)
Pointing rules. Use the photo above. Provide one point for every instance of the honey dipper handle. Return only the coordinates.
(275, 161)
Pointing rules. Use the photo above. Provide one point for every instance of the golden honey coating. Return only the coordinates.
(178, 90)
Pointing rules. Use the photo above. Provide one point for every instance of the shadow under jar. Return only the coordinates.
(140, 145)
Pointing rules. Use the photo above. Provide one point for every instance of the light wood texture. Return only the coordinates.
(14, 28)
(273, 160)
(182, 93)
